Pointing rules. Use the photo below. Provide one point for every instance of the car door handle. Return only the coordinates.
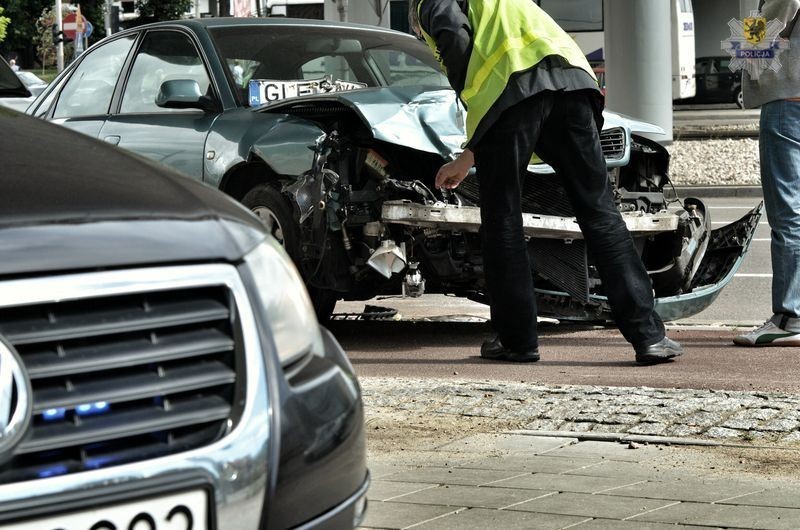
(114, 140)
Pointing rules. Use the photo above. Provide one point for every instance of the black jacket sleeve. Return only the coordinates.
(447, 23)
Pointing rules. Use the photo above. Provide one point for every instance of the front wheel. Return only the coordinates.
(276, 213)
(740, 98)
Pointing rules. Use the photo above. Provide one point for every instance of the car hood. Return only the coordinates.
(71, 202)
(420, 118)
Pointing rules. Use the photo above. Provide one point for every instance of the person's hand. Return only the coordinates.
(452, 173)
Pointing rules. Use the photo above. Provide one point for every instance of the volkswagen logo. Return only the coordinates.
(16, 402)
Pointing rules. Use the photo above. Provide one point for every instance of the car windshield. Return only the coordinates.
(284, 53)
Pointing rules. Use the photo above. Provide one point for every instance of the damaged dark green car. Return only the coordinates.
(332, 134)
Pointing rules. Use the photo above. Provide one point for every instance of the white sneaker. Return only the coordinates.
(768, 335)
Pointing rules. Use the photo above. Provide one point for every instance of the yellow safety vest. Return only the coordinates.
(509, 36)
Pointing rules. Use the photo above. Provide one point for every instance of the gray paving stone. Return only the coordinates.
(741, 424)
(510, 443)
(783, 497)
(633, 470)
(402, 459)
(624, 419)
(686, 490)
(610, 427)
(379, 470)
(682, 430)
(544, 425)
(613, 524)
(700, 419)
(726, 516)
(724, 433)
(649, 429)
(679, 512)
(532, 463)
(601, 506)
(751, 517)
(455, 477)
(382, 490)
(577, 426)
(479, 518)
(791, 437)
(612, 451)
(573, 483)
(472, 496)
(395, 515)
(780, 425)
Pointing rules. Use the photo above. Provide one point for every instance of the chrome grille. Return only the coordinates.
(613, 143)
(125, 377)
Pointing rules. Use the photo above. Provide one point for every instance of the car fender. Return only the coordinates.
(288, 147)
(279, 140)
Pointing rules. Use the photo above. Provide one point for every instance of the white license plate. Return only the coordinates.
(180, 511)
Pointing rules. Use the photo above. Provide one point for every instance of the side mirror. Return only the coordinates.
(183, 94)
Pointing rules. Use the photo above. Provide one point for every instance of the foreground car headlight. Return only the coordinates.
(281, 293)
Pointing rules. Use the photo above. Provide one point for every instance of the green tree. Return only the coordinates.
(152, 11)
(22, 37)
(4, 21)
(46, 50)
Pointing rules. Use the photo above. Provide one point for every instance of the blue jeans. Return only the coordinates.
(779, 146)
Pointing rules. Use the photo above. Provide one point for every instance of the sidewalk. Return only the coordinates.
(521, 480)
(459, 454)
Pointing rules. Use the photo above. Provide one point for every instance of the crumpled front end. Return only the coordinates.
(394, 232)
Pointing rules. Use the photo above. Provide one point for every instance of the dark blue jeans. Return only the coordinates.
(561, 128)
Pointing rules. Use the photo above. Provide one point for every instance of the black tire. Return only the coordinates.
(276, 213)
(739, 98)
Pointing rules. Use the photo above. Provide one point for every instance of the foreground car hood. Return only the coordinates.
(124, 243)
(87, 204)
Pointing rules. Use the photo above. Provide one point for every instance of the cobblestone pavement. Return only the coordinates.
(714, 415)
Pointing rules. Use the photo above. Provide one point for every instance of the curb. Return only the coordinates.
(709, 192)
(642, 439)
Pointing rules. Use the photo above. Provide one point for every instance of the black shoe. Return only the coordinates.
(660, 352)
(495, 351)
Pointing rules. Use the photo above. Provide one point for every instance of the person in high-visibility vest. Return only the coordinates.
(528, 87)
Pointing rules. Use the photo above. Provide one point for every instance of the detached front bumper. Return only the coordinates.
(726, 250)
(565, 266)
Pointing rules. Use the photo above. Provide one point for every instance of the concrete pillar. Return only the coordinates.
(638, 54)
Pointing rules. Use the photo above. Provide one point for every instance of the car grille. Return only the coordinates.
(613, 143)
(118, 379)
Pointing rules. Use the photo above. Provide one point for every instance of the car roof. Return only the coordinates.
(226, 22)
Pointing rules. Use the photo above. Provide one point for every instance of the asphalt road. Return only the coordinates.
(713, 115)
(439, 337)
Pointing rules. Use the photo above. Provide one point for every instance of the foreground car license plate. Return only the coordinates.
(181, 511)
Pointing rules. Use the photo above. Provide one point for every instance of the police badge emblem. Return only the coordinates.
(755, 44)
(755, 29)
